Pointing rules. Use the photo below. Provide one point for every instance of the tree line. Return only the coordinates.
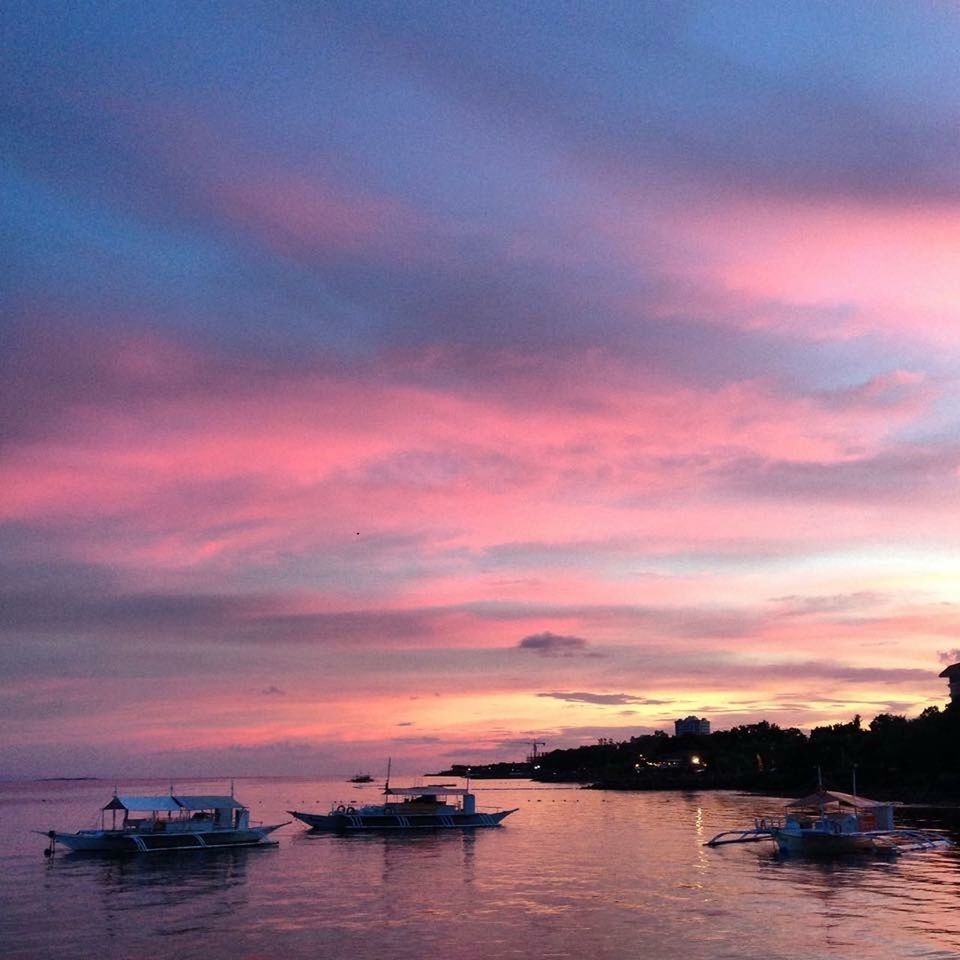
(892, 756)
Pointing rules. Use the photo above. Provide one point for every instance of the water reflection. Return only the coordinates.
(862, 905)
(405, 856)
(174, 876)
(186, 892)
(573, 874)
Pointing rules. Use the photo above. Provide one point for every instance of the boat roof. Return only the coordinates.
(208, 802)
(834, 796)
(143, 803)
(436, 790)
(172, 804)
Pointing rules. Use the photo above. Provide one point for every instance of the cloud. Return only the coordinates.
(802, 606)
(249, 618)
(897, 392)
(949, 656)
(782, 115)
(548, 644)
(615, 319)
(587, 735)
(412, 741)
(843, 672)
(931, 473)
(603, 699)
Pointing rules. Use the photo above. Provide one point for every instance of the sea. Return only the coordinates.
(574, 873)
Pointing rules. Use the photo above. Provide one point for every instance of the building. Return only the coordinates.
(698, 726)
(952, 675)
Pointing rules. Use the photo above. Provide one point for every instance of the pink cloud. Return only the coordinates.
(663, 408)
(291, 460)
(816, 269)
(291, 511)
(893, 266)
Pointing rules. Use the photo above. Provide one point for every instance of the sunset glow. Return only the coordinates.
(420, 381)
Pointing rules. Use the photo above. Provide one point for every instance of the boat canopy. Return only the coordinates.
(141, 804)
(822, 797)
(170, 804)
(209, 803)
(434, 791)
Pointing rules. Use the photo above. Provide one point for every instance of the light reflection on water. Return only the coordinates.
(573, 873)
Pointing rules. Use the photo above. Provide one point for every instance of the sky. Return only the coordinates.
(425, 380)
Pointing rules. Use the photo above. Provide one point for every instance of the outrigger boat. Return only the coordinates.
(163, 823)
(828, 823)
(407, 808)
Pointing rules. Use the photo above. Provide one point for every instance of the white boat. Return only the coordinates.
(407, 808)
(154, 824)
(828, 823)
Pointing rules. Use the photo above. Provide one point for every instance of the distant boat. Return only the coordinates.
(407, 808)
(828, 823)
(361, 778)
(164, 823)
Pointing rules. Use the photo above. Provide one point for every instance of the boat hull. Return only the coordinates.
(829, 824)
(815, 843)
(126, 841)
(350, 822)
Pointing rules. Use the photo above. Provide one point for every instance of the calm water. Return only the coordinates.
(574, 874)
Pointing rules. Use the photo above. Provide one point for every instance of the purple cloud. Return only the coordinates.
(548, 644)
(933, 473)
(603, 699)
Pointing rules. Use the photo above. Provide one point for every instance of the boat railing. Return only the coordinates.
(768, 823)
(183, 822)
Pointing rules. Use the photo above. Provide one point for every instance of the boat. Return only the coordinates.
(436, 807)
(829, 823)
(154, 824)
(361, 778)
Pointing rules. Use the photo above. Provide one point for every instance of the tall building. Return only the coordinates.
(952, 675)
(694, 725)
